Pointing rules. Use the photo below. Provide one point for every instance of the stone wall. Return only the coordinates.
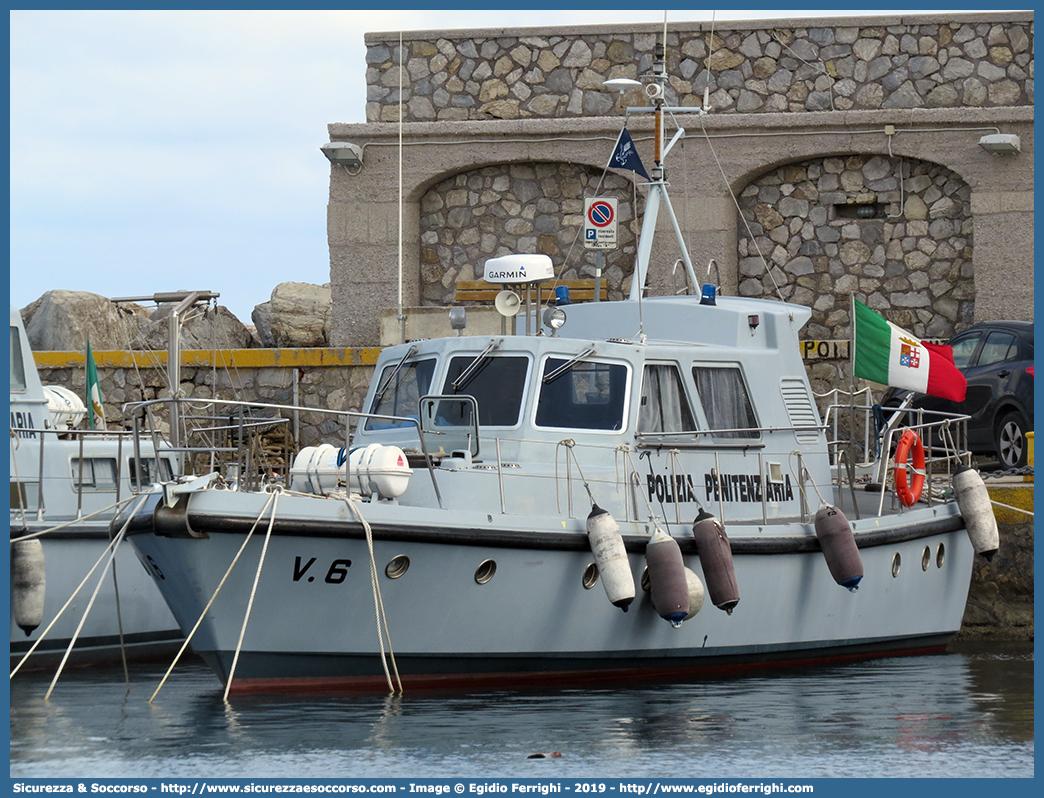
(849, 99)
(761, 67)
(831, 227)
(1000, 600)
(500, 210)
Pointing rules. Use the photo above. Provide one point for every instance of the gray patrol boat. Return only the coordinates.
(642, 489)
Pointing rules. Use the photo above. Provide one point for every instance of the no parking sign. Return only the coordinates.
(600, 223)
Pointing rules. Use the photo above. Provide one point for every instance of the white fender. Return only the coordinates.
(974, 502)
(603, 533)
(28, 584)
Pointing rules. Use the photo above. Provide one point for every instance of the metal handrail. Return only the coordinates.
(78, 484)
(960, 456)
(136, 410)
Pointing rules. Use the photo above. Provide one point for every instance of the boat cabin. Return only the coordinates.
(60, 472)
(715, 397)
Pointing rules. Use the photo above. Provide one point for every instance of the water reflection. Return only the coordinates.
(964, 713)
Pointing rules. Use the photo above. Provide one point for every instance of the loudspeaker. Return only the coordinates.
(508, 303)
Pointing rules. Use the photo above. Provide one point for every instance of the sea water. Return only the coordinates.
(967, 713)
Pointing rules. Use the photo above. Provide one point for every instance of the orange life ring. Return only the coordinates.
(909, 493)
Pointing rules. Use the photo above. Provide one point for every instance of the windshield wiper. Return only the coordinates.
(558, 372)
(380, 391)
(471, 371)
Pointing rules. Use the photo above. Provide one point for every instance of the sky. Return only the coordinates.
(179, 150)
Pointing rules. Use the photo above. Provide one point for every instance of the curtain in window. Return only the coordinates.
(725, 401)
(664, 406)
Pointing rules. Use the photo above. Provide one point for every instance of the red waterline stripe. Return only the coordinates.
(523, 679)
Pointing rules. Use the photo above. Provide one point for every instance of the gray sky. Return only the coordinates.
(166, 150)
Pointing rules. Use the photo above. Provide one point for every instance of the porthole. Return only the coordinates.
(896, 564)
(926, 558)
(646, 584)
(397, 566)
(486, 570)
(940, 556)
(590, 576)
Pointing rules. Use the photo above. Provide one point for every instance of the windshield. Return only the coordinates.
(401, 392)
(497, 383)
(586, 396)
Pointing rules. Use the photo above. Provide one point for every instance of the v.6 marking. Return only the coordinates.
(335, 574)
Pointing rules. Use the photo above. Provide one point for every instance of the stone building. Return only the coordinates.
(839, 156)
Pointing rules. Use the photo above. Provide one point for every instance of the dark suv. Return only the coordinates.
(996, 357)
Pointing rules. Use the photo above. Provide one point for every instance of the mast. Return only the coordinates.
(656, 91)
(185, 300)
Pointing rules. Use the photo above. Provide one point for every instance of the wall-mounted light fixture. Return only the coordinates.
(343, 153)
(1001, 144)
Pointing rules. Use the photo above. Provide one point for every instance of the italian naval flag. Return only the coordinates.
(889, 355)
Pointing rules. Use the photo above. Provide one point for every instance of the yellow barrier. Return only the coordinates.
(1029, 450)
(225, 358)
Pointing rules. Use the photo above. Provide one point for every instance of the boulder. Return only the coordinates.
(262, 318)
(202, 328)
(255, 340)
(64, 320)
(301, 314)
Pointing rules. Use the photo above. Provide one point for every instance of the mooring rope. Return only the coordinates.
(378, 605)
(79, 587)
(275, 490)
(202, 615)
(120, 503)
(111, 548)
(119, 626)
(648, 503)
(801, 479)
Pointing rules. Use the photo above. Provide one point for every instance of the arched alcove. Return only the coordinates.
(896, 232)
(496, 210)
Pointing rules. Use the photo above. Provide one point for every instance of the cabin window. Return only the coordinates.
(725, 401)
(664, 405)
(149, 474)
(582, 396)
(497, 383)
(98, 474)
(17, 366)
(399, 390)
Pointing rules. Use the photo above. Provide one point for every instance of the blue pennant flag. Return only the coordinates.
(625, 156)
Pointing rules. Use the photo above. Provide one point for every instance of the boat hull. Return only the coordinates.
(312, 619)
(149, 630)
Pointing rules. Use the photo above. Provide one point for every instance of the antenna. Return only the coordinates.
(658, 183)
(402, 316)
